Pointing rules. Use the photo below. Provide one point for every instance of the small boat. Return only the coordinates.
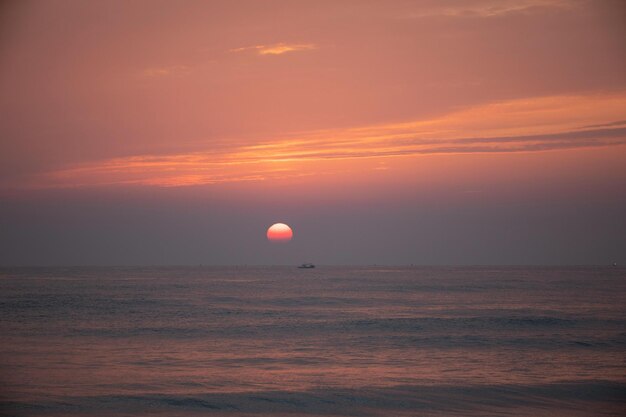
(306, 266)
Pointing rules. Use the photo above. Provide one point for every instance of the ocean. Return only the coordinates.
(329, 341)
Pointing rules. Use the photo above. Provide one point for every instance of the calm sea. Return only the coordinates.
(345, 341)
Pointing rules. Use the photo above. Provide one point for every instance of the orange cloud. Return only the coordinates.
(525, 125)
(277, 49)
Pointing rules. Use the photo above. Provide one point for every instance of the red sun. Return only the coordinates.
(279, 232)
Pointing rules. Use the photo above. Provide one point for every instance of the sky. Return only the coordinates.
(383, 132)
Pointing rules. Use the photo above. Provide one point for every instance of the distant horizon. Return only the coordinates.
(316, 265)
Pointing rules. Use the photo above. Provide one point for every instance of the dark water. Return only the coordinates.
(330, 341)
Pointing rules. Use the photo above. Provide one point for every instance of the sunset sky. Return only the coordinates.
(383, 132)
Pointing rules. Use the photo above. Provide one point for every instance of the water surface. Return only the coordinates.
(237, 341)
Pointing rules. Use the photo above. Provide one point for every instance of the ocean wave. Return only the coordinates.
(598, 398)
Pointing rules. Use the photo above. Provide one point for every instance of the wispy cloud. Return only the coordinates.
(489, 8)
(155, 72)
(528, 125)
(277, 49)
(610, 124)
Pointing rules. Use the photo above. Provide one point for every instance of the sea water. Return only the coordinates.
(352, 341)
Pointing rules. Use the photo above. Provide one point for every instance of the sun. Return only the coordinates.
(279, 232)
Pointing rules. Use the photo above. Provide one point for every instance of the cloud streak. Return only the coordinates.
(277, 49)
(528, 125)
(157, 72)
(488, 9)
